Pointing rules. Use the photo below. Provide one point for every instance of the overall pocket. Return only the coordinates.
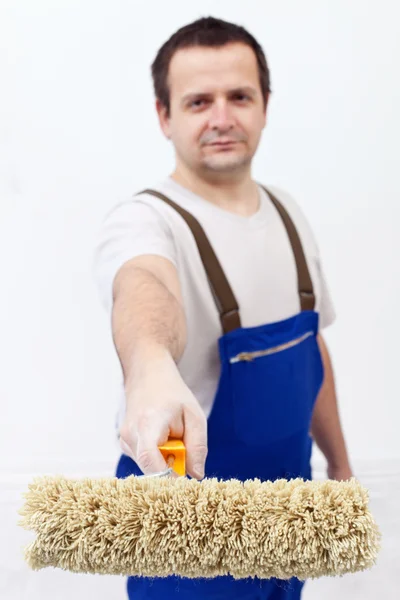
(274, 389)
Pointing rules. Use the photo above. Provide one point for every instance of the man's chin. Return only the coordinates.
(226, 166)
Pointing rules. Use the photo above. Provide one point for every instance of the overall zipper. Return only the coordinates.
(250, 356)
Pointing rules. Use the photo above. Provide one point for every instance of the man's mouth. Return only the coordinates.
(224, 143)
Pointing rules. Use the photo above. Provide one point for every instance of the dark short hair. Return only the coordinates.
(206, 32)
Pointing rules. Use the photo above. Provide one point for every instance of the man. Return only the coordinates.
(217, 297)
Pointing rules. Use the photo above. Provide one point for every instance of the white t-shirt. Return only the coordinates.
(254, 252)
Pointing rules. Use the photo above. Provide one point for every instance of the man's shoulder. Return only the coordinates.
(284, 197)
(139, 203)
(296, 212)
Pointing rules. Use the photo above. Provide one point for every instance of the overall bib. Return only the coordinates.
(260, 421)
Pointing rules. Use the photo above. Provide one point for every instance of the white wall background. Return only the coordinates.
(78, 133)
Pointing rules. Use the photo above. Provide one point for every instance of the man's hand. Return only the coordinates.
(341, 473)
(160, 406)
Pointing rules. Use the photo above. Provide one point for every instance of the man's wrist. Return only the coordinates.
(147, 358)
(342, 463)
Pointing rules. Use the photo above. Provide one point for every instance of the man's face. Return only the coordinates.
(217, 110)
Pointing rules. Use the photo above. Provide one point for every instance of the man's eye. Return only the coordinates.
(197, 103)
(241, 97)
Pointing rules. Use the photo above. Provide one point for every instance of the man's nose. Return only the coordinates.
(221, 116)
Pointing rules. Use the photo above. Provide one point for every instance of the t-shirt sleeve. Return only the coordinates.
(132, 228)
(327, 314)
(324, 302)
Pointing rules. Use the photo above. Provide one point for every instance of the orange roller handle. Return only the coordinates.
(174, 453)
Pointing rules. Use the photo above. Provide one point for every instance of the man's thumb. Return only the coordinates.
(125, 448)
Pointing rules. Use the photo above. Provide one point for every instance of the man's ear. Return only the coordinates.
(266, 108)
(163, 119)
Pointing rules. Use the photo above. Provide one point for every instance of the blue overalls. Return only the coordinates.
(260, 421)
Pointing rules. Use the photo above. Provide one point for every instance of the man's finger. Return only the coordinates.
(149, 457)
(195, 440)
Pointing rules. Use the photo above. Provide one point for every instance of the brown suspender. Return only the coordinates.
(227, 304)
(304, 282)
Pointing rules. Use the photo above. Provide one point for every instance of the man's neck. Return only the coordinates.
(240, 196)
